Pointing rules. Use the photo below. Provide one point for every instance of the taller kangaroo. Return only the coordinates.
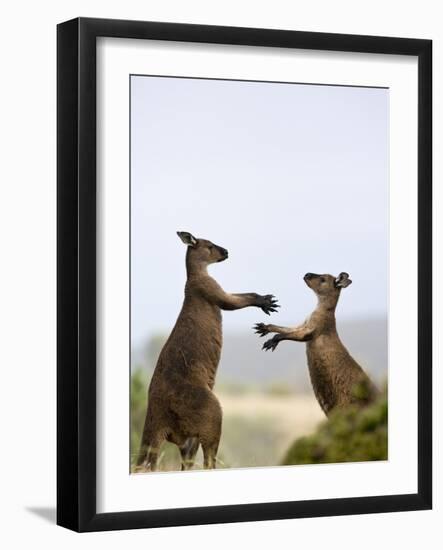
(182, 407)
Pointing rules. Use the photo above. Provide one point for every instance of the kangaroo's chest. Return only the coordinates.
(193, 350)
(203, 324)
(321, 352)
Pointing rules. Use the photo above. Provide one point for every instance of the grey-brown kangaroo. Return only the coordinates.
(336, 377)
(182, 408)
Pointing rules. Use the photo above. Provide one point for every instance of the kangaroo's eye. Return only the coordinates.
(322, 279)
(210, 248)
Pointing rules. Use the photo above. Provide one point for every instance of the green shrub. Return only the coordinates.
(352, 435)
(169, 458)
(139, 400)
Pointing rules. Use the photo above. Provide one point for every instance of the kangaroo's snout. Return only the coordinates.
(224, 253)
(311, 279)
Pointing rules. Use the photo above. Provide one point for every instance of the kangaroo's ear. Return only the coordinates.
(187, 238)
(343, 280)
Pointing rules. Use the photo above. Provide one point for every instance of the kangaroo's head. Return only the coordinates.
(327, 287)
(201, 252)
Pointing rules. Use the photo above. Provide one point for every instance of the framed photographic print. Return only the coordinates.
(244, 274)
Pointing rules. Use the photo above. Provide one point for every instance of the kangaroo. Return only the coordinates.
(336, 377)
(182, 407)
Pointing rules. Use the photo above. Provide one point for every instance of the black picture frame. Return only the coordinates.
(76, 279)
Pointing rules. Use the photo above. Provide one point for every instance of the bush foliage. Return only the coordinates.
(355, 434)
(169, 458)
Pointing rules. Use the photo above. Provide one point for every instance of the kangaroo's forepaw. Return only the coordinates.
(272, 343)
(269, 304)
(261, 329)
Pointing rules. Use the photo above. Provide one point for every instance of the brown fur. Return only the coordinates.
(182, 407)
(336, 377)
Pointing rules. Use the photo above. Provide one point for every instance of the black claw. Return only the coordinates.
(270, 344)
(261, 329)
(270, 304)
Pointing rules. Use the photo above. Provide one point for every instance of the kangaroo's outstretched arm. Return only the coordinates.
(299, 334)
(227, 301)
(262, 329)
(214, 293)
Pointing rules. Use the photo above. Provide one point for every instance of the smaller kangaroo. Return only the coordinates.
(335, 375)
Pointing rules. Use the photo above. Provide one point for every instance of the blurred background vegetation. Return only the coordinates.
(258, 423)
(269, 418)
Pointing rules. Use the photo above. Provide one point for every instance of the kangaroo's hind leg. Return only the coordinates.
(210, 455)
(149, 451)
(152, 439)
(200, 416)
(210, 432)
(188, 451)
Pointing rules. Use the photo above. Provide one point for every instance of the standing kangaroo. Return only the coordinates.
(335, 375)
(182, 408)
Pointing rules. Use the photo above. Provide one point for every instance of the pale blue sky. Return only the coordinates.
(289, 178)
